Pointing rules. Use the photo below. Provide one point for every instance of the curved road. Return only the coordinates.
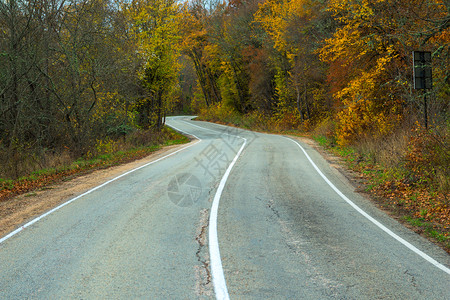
(233, 214)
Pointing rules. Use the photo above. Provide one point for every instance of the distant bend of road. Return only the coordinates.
(282, 231)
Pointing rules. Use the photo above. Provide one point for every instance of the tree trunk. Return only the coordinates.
(299, 105)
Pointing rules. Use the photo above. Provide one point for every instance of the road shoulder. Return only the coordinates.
(356, 182)
(20, 209)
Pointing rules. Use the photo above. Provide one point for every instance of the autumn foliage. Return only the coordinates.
(304, 61)
(341, 69)
(99, 70)
(76, 72)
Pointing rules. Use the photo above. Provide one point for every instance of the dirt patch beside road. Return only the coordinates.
(16, 211)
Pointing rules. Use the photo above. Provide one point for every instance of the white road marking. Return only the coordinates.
(88, 192)
(220, 286)
(215, 131)
(218, 277)
(370, 218)
(182, 131)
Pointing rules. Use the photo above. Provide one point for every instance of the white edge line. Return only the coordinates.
(182, 131)
(90, 191)
(370, 218)
(220, 286)
(215, 131)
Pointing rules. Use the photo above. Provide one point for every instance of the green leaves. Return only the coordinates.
(155, 28)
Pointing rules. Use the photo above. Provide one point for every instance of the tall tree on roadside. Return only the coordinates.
(373, 47)
(294, 28)
(155, 26)
(195, 44)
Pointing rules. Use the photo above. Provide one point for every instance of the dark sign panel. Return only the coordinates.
(422, 70)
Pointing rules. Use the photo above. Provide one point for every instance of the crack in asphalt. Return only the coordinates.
(413, 279)
(297, 245)
(203, 272)
(271, 206)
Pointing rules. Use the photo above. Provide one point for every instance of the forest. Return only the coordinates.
(78, 77)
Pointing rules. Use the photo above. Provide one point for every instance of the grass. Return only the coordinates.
(43, 177)
(421, 225)
(420, 204)
(322, 140)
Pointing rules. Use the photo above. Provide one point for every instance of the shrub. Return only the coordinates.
(428, 156)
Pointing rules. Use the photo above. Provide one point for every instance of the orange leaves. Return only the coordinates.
(442, 37)
(418, 202)
(30, 183)
(372, 105)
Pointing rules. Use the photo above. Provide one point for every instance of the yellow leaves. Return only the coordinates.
(365, 83)
(156, 29)
(359, 10)
(102, 147)
(211, 57)
(152, 20)
(108, 104)
(360, 34)
(364, 113)
(276, 16)
(360, 118)
(360, 46)
(345, 44)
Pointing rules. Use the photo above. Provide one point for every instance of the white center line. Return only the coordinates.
(220, 286)
(218, 277)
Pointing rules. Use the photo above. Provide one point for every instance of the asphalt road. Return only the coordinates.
(234, 214)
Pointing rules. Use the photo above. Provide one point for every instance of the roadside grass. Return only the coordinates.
(256, 121)
(413, 200)
(39, 179)
(421, 225)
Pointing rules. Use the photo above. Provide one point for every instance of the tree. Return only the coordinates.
(66, 70)
(196, 45)
(296, 29)
(373, 46)
(155, 28)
